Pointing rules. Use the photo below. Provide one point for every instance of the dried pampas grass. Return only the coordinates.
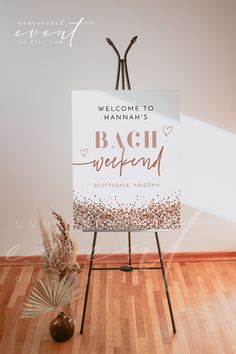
(59, 287)
(59, 258)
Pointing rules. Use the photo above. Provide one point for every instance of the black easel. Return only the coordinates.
(123, 70)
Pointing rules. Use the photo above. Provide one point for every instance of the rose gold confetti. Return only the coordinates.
(103, 215)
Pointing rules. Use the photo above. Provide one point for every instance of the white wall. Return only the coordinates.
(185, 45)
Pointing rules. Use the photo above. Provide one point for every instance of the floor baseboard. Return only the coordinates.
(136, 258)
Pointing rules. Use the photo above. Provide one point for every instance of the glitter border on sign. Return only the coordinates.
(140, 215)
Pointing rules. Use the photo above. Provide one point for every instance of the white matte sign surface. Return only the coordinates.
(126, 160)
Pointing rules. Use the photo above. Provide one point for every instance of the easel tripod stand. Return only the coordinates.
(123, 72)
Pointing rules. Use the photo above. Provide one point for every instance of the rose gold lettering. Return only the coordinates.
(146, 162)
(147, 139)
(101, 140)
(130, 139)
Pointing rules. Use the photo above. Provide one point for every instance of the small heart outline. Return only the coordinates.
(84, 152)
(167, 129)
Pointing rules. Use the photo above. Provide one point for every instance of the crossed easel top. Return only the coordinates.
(122, 63)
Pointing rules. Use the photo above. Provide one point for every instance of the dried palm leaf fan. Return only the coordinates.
(49, 294)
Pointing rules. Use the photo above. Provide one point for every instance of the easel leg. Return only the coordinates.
(129, 241)
(165, 284)
(88, 282)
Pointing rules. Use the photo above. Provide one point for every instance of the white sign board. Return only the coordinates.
(126, 160)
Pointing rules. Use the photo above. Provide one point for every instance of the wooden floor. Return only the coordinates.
(128, 313)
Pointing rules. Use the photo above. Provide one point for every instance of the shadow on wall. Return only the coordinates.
(208, 169)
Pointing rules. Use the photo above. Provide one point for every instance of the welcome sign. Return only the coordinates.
(126, 160)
